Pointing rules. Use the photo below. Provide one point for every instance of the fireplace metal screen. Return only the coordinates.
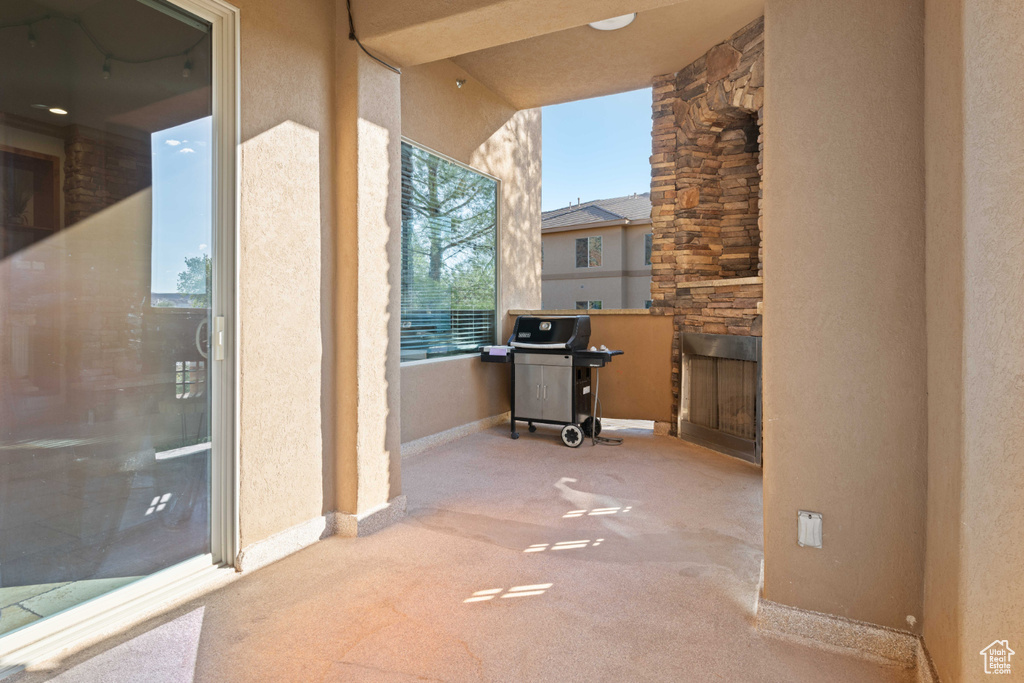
(721, 393)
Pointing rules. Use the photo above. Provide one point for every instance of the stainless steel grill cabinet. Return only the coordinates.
(551, 374)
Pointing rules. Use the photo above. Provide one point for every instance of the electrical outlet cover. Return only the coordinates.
(808, 529)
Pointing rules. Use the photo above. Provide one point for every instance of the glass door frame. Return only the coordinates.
(108, 613)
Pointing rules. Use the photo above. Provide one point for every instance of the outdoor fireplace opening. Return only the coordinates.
(721, 393)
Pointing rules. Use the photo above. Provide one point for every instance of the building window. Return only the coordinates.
(647, 303)
(449, 256)
(648, 241)
(588, 252)
(189, 379)
(588, 305)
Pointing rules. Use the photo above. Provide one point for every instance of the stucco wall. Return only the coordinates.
(638, 384)
(992, 524)
(478, 128)
(635, 251)
(286, 69)
(973, 590)
(621, 281)
(638, 292)
(945, 281)
(560, 251)
(563, 294)
(844, 324)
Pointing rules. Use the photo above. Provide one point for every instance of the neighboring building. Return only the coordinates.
(598, 254)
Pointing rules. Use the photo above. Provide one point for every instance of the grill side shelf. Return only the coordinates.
(594, 359)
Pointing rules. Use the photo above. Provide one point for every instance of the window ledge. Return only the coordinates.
(472, 355)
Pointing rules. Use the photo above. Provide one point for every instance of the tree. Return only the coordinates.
(448, 234)
(196, 280)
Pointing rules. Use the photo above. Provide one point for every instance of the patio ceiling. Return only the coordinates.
(534, 53)
(580, 62)
(414, 32)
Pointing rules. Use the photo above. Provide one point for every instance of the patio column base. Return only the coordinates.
(303, 535)
(902, 647)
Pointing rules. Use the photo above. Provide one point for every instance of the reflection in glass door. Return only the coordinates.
(106, 246)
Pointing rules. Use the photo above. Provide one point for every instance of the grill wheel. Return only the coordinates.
(572, 436)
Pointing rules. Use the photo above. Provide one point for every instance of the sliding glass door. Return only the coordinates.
(109, 333)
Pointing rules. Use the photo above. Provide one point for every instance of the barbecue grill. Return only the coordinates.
(551, 375)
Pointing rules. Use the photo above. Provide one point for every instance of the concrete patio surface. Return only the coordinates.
(518, 561)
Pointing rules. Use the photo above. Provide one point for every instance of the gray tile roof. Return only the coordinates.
(631, 207)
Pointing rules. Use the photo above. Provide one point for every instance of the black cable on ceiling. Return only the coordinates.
(107, 54)
(352, 36)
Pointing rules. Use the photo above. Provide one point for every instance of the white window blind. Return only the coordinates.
(449, 263)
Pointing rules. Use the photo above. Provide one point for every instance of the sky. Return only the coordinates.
(182, 199)
(596, 149)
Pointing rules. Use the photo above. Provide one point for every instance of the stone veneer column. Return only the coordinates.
(368, 262)
(706, 193)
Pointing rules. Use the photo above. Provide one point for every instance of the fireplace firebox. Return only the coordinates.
(720, 405)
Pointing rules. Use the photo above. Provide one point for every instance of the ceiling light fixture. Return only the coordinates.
(459, 82)
(106, 69)
(31, 36)
(186, 70)
(58, 111)
(614, 23)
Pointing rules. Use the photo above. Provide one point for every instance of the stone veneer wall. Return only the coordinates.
(706, 167)
(100, 170)
(111, 365)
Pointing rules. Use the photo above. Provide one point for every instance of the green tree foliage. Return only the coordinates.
(449, 233)
(196, 280)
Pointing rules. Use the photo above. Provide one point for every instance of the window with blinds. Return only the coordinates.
(449, 256)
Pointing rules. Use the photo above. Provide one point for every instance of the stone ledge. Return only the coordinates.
(696, 284)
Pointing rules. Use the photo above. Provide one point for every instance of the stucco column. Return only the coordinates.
(368, 260)
(992, 523)
(944, 211)
(845, 417)
(975, 124)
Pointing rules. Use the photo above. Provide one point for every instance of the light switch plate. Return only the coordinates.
(808, 529)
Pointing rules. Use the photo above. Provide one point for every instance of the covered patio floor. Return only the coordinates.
(518, 561)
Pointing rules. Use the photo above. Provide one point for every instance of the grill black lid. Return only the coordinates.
(551, 332)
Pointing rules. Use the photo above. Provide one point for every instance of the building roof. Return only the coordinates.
(631, 208)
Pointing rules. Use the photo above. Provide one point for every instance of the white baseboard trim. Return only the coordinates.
(305, 534)
(419, 445)
(371, 521)
(901, 647)
(284, 543)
